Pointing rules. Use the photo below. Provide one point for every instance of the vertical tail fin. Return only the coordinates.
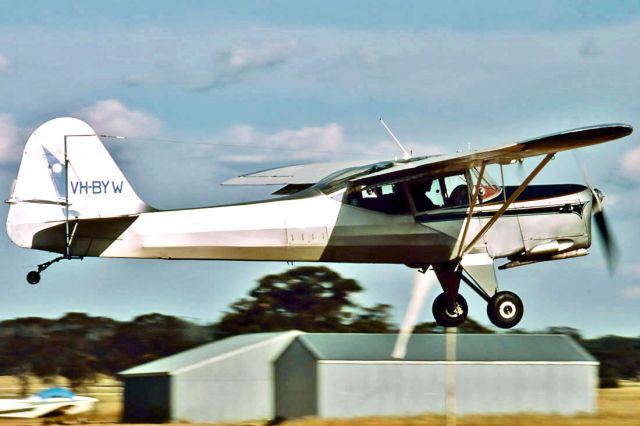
(50, 190)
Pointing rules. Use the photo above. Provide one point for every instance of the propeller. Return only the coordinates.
(611, 251)
(422, 285)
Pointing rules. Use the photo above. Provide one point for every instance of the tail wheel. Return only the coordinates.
(33, 277)
(449, 319)
(505, 309)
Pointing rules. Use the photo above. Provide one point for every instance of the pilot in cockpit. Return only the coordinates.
(419, 194)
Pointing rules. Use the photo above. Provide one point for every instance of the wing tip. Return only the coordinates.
(627, 129)
(618, 130)
(601, 132)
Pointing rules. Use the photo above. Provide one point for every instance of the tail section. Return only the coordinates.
(50, 191)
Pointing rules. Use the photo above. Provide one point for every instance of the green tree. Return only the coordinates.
(620, 355)
(376, 319)
(147, 338)
(307, 298)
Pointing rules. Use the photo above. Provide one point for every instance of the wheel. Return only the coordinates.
(505, 309)
(33, 277)
(446, 318)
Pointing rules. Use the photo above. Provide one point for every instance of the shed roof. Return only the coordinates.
(431, 347)
(206, 353)
(378, 347)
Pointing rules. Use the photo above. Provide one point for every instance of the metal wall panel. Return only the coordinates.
(146, 399)
(296, 383)
(352, 389)
(541, 388)
(235, 388)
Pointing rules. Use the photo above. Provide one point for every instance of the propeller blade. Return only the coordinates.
(422, 284)
(611, 250)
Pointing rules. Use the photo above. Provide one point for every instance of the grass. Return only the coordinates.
(616, 407)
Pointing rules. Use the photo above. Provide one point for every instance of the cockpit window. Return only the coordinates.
(425, 194)
(439, 192)
(418, 195)
(388, 198)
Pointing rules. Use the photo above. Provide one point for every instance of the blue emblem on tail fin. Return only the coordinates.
(56, 171)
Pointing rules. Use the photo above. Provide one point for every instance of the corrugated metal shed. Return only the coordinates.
(293, 374)
(347, 375)
(224, 381)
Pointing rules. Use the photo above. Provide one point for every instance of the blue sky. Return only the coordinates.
(208, 90)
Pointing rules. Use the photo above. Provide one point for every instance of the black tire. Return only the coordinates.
(33, 277)
(505, 309)
(442, 314)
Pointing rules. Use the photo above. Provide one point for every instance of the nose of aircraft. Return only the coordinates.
(598, 197)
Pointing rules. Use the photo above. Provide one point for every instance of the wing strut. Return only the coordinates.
(506, 204)
(474, 200)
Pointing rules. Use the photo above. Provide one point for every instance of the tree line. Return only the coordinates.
(78, 346)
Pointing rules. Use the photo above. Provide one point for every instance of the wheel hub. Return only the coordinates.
(446, 317)
(508, 310)
(456, 312)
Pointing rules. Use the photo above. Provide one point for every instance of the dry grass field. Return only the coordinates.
(617, 407)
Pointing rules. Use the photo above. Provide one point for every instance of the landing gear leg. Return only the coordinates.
(33, 277)
(504, 308)
(449, 309)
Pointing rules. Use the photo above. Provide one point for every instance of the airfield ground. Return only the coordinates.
(616, 407)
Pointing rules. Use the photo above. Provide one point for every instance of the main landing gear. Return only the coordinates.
(33, 277)
(446, 317)
(450, 309)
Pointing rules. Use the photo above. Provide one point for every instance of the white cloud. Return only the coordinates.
(307, 143)
(214, 66)
(10, 139)
(114, 118)
(632, 292)
(259, 56)
(234, 65)
(630, 163)
(243, 143)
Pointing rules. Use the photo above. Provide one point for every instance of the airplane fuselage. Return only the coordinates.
(549, 219)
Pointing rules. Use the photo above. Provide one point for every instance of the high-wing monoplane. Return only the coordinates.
(442, 212)
(50, 402)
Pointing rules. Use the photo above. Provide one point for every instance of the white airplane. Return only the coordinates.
(442, 212)
(47, 403)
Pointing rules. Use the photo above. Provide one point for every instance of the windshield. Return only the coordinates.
(338, 180)
(489, 190)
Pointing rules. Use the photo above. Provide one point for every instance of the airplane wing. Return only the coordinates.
(549, 144)
(301, 174)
